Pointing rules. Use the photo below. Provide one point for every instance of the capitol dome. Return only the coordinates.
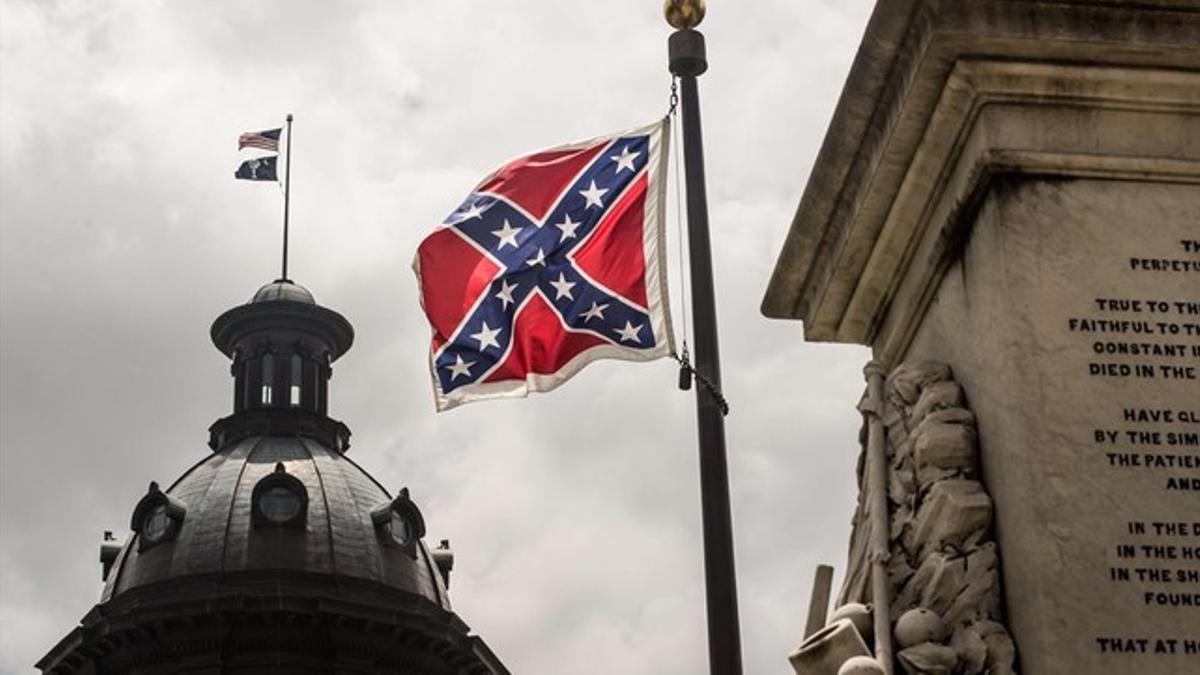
(275, 553)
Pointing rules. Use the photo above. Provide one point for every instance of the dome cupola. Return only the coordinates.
(282, 344)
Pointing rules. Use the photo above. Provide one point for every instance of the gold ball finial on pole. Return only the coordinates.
(684, 14)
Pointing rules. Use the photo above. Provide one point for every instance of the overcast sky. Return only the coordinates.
(575, 514)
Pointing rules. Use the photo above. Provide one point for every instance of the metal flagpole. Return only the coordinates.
(287, 191)
(687, 61)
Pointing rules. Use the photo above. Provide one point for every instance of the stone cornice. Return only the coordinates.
(930, 112)
(1007, 118)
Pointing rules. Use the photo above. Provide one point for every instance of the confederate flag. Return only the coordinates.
(554, 260)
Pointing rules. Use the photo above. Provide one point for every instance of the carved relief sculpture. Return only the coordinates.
(946, 604)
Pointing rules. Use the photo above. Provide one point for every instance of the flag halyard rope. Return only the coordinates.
(686, 371)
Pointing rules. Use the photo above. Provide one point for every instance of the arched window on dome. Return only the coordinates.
(156, 518)
(399, 523)
(326, 370)
(251, 378)
(279, 500)
(297, 376)
(238, 369)
(268, 379)
(308, 383)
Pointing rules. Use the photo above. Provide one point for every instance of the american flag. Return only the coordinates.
(554, 260)
(264, 140)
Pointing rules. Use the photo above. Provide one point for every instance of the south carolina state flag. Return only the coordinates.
(554, 260)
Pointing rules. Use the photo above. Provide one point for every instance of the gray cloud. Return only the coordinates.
(575, 515)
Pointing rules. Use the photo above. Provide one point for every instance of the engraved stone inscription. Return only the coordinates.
(1072, 322)
(1142, 347)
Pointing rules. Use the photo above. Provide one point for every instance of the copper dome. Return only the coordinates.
(218, 539)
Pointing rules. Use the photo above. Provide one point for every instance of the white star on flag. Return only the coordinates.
(459, 367)
(562, 287)
(593, 195)
(625, 160)
(507, 234)
(539, 259)
(487, 337)
(474, 212)
(596, 311)
(568, 228)
(505, 293)
(630, 332)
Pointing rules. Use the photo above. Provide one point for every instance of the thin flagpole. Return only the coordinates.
(287, 193)
(687, 62)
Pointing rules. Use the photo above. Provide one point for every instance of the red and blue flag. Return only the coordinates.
(267, 139)
(554, 260)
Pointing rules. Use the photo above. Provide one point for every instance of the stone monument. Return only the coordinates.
(1006, 209)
